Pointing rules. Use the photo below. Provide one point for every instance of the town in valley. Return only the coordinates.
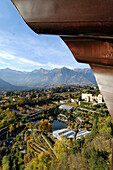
(55, 128)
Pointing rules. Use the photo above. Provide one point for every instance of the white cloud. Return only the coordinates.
(6, 55)
(48, 65)
(23, 60)
(23, 49)
(29, 52)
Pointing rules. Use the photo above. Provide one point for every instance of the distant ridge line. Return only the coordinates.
(42, 78)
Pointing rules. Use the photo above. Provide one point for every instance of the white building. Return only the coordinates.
(65, 107)
(72, 100)
(90, 98)
(65, 133)
(87, 97)
(62, 101)
(99, 98)
(82, 133)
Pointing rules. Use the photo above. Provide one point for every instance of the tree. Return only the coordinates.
(49, 127)
(17, 126)
(21, 109)
(96, 159)
(11, 128)
(30, 125)
(6, 162)
(14, 164)
(44, 126)
(44, 159)
(76, 127)
(94, 130)
(59, 148)
(30, 165)
(21, 124)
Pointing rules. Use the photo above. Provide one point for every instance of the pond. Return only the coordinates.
(56, 124)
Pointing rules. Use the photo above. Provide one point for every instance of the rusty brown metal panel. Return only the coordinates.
(91, 50)
(72, 28)
(65, 10)
(67, 17)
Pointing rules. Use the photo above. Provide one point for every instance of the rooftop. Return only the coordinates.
(65, 107)
(82, 133)
(65, 132)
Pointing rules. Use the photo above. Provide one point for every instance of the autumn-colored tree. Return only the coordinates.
(68, 142)
(76, 127)
(49, 127)
(4, 144)
(60, 148)
(21, 109)
(11, 128)
(44, 126)
(17, 126)
(32, 165)
(6, 162)
(21, 124)
(7, 109)
(100, 119)
(26, 159)
(30, 125)
(44, 159)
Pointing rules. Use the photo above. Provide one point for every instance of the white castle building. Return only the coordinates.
(91, 98)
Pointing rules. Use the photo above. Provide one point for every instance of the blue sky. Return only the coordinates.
(22, 49)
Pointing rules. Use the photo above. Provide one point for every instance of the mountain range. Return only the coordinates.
(5, 86)
(41, 78)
